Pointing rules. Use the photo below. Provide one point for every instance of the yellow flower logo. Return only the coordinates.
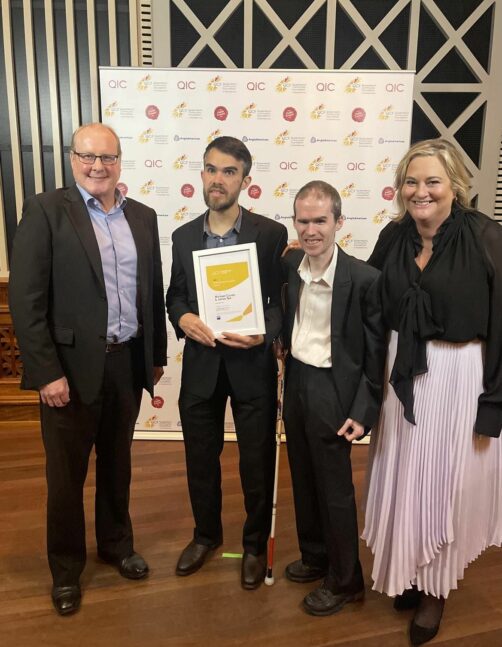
(348, 190)
(280, 191)
(317, 112)
(281, 138)
(283, 84)
(214, 83)
(147, 187)
(315, 164)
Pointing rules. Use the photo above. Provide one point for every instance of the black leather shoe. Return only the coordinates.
(420, 634)
(66, 599)
(322, 602)
(133, 567)
(193, 557)
(253, 570)
(301, 572)
(409, 599)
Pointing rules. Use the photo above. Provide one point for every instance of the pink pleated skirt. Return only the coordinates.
(434, 494)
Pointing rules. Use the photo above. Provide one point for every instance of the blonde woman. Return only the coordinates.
(435, 489)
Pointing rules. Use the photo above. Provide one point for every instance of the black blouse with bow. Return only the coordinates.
(457, 297)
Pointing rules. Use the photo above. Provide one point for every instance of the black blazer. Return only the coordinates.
(250, 371)
(358, 339)
(58, 297)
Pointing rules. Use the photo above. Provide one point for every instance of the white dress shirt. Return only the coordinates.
(311, 338)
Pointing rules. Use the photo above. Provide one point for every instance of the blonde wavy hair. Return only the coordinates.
(450, 158)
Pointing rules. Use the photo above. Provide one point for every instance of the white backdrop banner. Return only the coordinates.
(348, 128)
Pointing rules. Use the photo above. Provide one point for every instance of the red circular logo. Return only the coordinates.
(157, 402)
(220, 113)
(187, 190)
(289, 113)
(123, 188)
(254, 191)
(359, 114)
(388, 193)
(152, 112)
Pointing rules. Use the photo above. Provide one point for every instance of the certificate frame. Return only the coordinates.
(228, 286)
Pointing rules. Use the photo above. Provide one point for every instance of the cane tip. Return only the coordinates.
(269, 580)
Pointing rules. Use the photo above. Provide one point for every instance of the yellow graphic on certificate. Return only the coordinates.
(226, 277)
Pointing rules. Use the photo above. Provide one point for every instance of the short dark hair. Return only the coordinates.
(234, 147)
(322, 190)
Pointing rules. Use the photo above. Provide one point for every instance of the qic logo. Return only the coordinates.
(186, 85)
(394, 87)
(256, 86)
(325, 87)
(117, 83)
(153, 163)
(288, 166)
(356, 166)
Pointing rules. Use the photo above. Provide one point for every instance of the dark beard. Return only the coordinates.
(215, 205)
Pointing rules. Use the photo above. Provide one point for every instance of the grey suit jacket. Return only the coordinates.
(58, 297)
(358, 337)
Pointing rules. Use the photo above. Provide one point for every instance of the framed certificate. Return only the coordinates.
(229, 290)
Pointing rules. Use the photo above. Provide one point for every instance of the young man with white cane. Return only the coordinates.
(334, 374)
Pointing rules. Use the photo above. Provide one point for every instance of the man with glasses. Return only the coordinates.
(86, 295)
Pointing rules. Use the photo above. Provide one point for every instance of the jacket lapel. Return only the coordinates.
(249, 228)
(81, 221)
(341, 292)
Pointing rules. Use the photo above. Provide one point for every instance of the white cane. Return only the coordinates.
(269, 578)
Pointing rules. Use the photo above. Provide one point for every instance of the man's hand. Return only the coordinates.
(158, 372)
(294, 244)
(193, 327)
(55, 394)
(351, 429)
(234, 340)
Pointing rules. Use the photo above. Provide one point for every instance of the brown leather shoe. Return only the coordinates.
(193, 557)
(253, 570)
(323, 602)
(66, 599)
(301, 572)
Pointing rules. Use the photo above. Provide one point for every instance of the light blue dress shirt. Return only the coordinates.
(119, 260)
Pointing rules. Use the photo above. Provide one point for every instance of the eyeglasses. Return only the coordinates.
(90, 158)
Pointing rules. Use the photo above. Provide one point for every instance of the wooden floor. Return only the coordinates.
(207, 608)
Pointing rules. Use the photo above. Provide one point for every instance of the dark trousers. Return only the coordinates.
(202, 421)
(69, 434)
(321, 473)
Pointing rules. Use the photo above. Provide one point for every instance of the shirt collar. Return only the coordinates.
(237, 225)
(328, 277)
(90, 200)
